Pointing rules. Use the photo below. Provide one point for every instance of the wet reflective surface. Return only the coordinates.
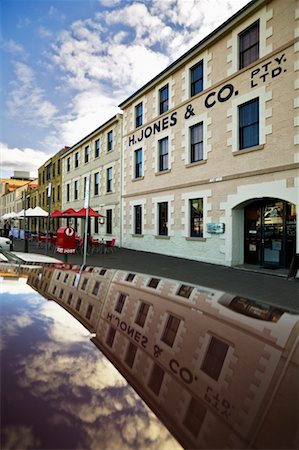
(58, 390)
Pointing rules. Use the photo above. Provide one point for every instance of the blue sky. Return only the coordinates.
(67, 64)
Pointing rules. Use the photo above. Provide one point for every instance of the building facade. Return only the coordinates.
(210, 146)
(215, 368)
(96, 158)
(50, 173)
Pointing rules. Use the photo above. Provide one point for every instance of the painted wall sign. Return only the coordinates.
(219, 403)
(156, 127)
(128, 329)
(221, 96)
(270, 69)
(266, 71)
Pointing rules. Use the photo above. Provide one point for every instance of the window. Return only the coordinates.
(142, 313)
(69, 300)
(96, 288)
(164, 99)
(109, 179)
(214, 358)
(196, 217)
(54, 290)
(249, 124)
(109, 221)
(138, 115)
(130, 355)
(163, 219)
(153, 283)
(58, 193)
(89, 312)
(53, 194)
(68, 164)
(130, 277)
(67, 192)
(96, 224)
(84, 188)
(138, 219)
(76, 190)
(48, 175)
(170, 330)
(58, 167)
(78, 304)
(120, 303)
(156, 379)
(76, 160)
(97, 148)
(103, 271)
(65, 277)
(110, 141)
(249, 45)
(163, 154)
(110, 336)
(194, 417)
(86, 154)
(84, 284)
(196, 76)
(185, 291)
(138, 163)
(53, 170)
(96, 183)
(196, 142)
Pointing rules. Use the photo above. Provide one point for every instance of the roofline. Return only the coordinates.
(104, 125)
(224, 27)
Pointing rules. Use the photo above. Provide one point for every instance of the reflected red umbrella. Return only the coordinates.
(91, 213)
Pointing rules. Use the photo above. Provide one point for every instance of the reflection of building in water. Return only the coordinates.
(218, 370)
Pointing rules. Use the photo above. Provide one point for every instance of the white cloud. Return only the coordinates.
(26, 100)
(11, 46)
(109, 3)
(44, 32)
(20, 159)
(90, 110)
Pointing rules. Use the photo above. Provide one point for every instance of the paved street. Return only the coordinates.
(271, 287)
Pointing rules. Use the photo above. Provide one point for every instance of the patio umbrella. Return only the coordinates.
(56, 213)
(90, 213)
(11, 215)
(36, 212)
(70, 212)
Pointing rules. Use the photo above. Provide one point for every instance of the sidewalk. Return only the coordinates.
(264, 287)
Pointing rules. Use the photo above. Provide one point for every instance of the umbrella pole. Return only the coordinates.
(86, 205)
(48, 218)
(25, 233)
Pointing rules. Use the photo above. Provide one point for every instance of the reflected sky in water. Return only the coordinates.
(58, 390)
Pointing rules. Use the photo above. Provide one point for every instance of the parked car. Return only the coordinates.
(5, 243)
(27, 258)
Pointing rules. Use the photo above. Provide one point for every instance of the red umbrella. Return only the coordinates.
(91, 213)
(56, 213)
(70, 212)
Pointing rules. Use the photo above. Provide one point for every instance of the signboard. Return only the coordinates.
(215, 228)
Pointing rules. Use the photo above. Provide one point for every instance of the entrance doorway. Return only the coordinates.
(270, 233)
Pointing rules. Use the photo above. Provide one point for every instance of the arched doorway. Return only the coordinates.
(270, 233)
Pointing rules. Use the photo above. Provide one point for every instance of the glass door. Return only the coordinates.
(270, 233)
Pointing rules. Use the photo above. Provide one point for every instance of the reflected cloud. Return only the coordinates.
(20, 438)
(72, 384)
(13, 286)
(61, 328)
